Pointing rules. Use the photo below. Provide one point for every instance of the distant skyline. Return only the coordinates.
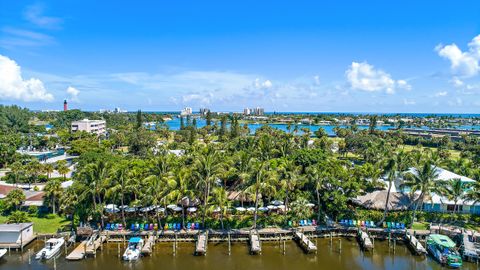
(344, 56)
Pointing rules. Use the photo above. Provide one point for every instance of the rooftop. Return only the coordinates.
(16, 227)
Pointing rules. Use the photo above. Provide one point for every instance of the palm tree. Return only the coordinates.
(317, 174)
(48, 169)
(220, 200)
(473, 193)
(260, 182)
(17, 169)
(422, 179)
(118, 185)
(290, 175)
(54, 190)
(180, 191)
(207, 168)
(62, 168)
(453, 190)
(14, 199)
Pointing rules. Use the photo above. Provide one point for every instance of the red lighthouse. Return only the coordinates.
(65, 105)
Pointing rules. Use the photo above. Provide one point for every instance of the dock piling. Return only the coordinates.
(340, 245)
(29, 256)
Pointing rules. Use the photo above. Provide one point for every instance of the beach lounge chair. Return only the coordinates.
(309, 222)
(132, 227)
(150, 227)
(301, 222)
(108, 226)
(165, 227)
(402, 226)
(137, 226)
(146, 227)
(192, 226)
(115, 227)
(350, 223)
(384, 224)
(372, 224)
(398, 226)
(189, 226)
(155, 226)
(362, 223)
(197, 226)
(120, 226)
(314, 222)
(354, 223)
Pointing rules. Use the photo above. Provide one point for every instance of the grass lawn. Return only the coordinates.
(420, 226)
(455, 154)
(44, 225)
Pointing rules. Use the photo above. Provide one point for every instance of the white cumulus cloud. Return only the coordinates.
(262, 84)
(441, 94)
(14, 87)
(363, 76)
(462, 63)
(73, 92)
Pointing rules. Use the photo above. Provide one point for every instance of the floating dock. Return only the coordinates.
(78, 253)
(469, 251)
(95, 242)
(149, 243)
(201, 244)
(307, 245)
(415, 244)
(365, 240)
(255, 246)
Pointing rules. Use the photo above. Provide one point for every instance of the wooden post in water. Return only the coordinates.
(118, 249)
(65, 249)
(283, 247)
(394, 244)
(340, 245)
(373, 242)
(331, 239)
(229, 245)
(29, 256)
(54, 263)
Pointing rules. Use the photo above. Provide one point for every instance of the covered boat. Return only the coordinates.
(52, 247)
(3, 251)
(134, 249)
(443, 249)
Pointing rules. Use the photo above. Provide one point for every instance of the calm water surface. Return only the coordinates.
(351, 257)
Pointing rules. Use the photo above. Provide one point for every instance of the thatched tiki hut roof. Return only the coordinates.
(376, 200)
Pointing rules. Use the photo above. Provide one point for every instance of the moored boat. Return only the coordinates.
(3, 251)
(134, 249)
(52, 247)
(443, 249)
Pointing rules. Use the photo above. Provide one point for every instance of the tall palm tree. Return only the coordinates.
(290, 176)
(453, 190)
(180, 189)
(208, 166)
(220, 200)
(48, 169)
(54, 190)
(473, 193)
(118, 185)
(62, 168)
(261, 179)
(421, 179)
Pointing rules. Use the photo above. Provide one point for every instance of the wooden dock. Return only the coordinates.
(365, 240)
(255, 246)
(78, 253)
(415, 244)
(149, 243)
(201, 244)
(469, 251)
(307, 245)
(94, 243)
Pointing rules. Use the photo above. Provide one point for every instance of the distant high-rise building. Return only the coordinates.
(246, 111)
(258, 111)
(186, 111)
(65, 105)
(204, 111)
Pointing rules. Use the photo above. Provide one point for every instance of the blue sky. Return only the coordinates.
(349, 56)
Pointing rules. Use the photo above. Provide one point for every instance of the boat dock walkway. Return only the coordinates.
(365, 240)
(78, 253)
(469, 249)
(201, 244)
(95, 242)
(415, 244)
(149, 243)
(307, 245)
(255, 246)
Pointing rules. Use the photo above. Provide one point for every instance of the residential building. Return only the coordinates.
(204, 111)
(91, 126)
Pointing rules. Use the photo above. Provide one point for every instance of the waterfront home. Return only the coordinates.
(32, 198)
(16, 235)
(376, 200)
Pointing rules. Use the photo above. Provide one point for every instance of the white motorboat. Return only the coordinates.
(3, 251)
(134, 249)
(52, 247)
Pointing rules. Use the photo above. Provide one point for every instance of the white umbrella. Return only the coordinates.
(111, 208)
(277, 203)
(281, 207)
(310, 205)
(251, 209)
(177, 209)
(271, 207)
(240, 209)
(160, 209)
(130, 209)
(171, 206)
(146, 209)
(191, 209)
(263, 209)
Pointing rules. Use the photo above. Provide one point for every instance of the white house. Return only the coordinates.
(16, 235)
